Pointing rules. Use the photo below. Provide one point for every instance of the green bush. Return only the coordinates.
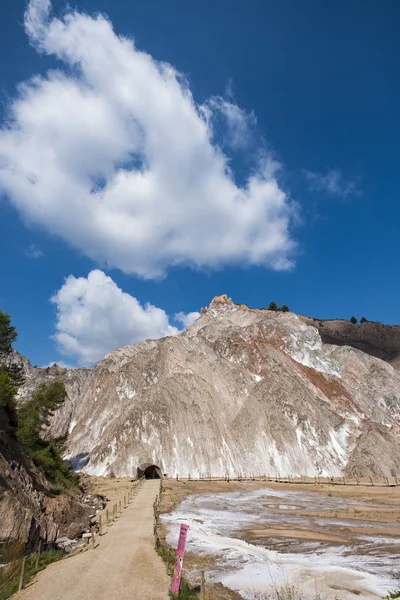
(353, 320)
(273, 306)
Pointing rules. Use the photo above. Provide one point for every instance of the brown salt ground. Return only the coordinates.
(384, 516)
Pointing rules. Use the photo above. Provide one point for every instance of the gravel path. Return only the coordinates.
(123, 566)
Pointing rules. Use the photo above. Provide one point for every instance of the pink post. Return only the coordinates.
(176, 579)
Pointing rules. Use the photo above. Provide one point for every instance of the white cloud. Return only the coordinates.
(114, 155)
(239, 124)
(186, 319)
(33, 251)
(333, 183)
(59, 363)
(94, 316)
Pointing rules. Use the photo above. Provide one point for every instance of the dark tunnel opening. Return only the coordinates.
(150, 472)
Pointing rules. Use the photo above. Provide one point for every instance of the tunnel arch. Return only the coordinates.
(149, 471)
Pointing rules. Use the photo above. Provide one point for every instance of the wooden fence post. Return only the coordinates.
(100, 524)
(21, 579)
(202, 587)
(169, 560)
(107, 520)
(120, 511)
(92, 532)
(124, 502)
(38, 554)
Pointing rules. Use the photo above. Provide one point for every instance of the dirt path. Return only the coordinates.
(123, 566)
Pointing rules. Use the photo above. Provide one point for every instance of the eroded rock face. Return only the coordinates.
(240, 391)
(28, 509)
(382, 341)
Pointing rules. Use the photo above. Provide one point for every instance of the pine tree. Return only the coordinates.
(7, 399)
(27, 423)
(8, 335)
(10, 376)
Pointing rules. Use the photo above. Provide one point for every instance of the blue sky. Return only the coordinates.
(311, 86)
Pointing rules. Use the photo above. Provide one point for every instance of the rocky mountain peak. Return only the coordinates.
(219, 300)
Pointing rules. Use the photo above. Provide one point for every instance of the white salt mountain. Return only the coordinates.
(241, 391)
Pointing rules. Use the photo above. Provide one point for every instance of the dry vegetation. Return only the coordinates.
(113, 488)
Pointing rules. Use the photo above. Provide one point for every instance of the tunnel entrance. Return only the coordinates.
(149, 472)
(152, 472)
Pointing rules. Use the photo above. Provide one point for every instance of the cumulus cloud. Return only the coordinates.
(113, 154)
(94, 316)
(33, 251)
(58, 363)
(186, 319)
(333, 183)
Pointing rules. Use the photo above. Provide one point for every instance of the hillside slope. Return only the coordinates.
(240, 391)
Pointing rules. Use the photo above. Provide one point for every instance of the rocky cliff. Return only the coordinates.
(29, 510)
(382, 341)
(240, 391)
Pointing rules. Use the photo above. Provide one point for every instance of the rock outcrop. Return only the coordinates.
(28, 508)
(74, 380)
(240, 391)
(382, 341)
